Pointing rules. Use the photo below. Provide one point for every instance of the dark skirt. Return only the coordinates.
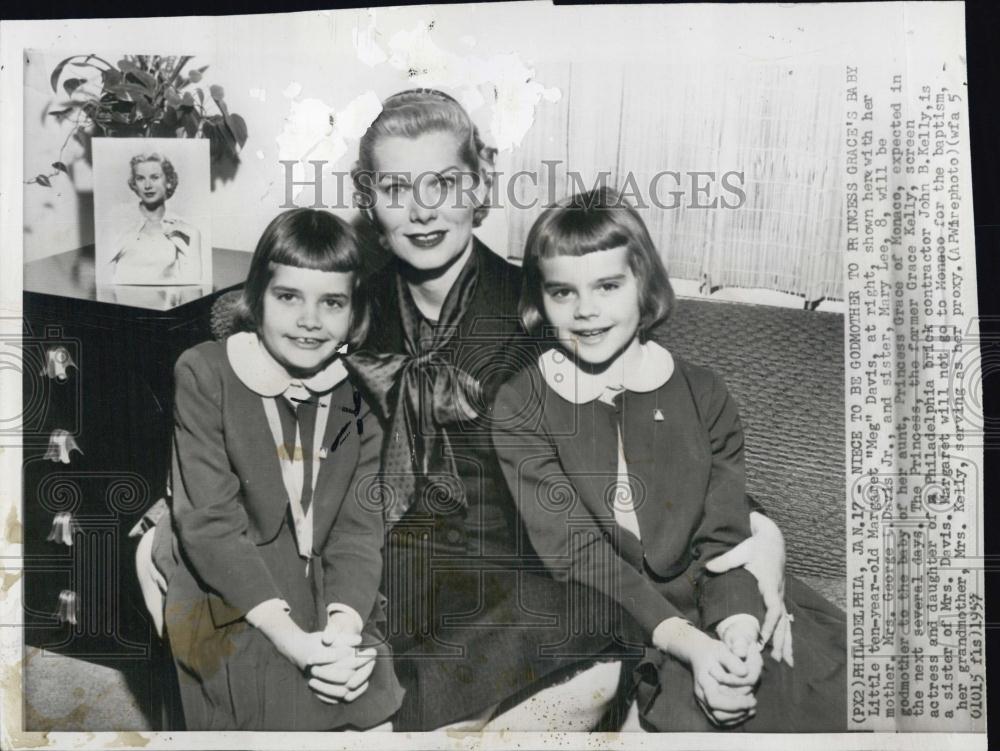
(808, 698)
(470, 632)
(231, 676)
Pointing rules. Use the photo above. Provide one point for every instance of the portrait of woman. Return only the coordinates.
(154, 240)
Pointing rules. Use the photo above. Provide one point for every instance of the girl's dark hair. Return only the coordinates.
(309, 239)
(170, 178)
(587, 223)
(411, 114)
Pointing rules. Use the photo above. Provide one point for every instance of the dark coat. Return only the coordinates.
(233, 547)
(687, 477)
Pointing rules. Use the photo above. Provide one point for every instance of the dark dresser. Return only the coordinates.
(97, 418)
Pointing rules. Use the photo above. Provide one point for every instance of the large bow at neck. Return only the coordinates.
(419, 394)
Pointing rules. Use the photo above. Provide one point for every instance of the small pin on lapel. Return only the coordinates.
(322, 453)
(658, 415)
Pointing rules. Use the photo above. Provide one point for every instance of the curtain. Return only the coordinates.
(626, 124)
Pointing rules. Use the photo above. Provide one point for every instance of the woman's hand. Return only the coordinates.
(763, 555)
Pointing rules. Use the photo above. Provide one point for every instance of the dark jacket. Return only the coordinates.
(229, 498)
(687, 475)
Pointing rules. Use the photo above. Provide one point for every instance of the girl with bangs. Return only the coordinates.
(627, 467)
(273, 561)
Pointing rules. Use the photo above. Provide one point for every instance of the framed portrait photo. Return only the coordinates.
(152, 222)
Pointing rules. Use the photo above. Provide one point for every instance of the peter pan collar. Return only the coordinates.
(262, 374)
(645, 369)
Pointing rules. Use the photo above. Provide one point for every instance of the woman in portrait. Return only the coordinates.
(482, 636)
(158, 247)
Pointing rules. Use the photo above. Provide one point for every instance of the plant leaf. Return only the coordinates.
(54, 78)
(194, 76)
(239, 128)
(43, 180)
(111, 77)
(217, 92)
(72, 84)
(60, 113)
(128, 90)
(60, 166)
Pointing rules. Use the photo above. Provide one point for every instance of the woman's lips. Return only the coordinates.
(427, 239)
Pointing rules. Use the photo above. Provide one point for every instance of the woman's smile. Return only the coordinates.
(427, 239)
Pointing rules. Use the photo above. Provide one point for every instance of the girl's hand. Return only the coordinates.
(721, 684)
(740, 635)
(341, 628)
(345, 679)
(763, 555)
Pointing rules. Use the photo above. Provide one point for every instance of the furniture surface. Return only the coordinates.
(97, 420)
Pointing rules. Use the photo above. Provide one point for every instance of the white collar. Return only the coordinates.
(169, 217)
(644, 369)
(262, 374)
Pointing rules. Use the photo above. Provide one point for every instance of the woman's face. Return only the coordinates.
(150, 183)
(306, 316)
(593, 303)
(425, 199)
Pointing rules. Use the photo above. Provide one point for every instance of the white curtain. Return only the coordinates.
(778, 125)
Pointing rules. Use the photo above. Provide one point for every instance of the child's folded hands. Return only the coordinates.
(741, 634)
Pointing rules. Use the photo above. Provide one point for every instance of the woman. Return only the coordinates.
(480, 633)
(159, 247)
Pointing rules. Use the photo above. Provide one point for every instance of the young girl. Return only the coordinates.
(627, 465)
(276, 554)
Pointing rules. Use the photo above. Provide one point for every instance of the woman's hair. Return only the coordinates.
(309, 239)
(169, 173)
(411, 114)
(587, 223)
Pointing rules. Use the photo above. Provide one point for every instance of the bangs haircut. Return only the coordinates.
(589, 223)
(307, 239)
(414, 113)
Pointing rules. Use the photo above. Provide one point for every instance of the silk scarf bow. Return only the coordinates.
(419, 394)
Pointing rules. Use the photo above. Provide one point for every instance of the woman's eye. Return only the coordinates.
(334, 304)
(560, 294)
(394, 189)
(286, 296)
(610, 286)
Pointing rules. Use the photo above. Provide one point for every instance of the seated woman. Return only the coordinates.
(480, 632)
(627, 467)
(158, 246)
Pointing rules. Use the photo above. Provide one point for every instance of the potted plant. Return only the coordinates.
(142, 96)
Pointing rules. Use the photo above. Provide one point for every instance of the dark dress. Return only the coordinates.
(473, 617)
(683, 444)
(232, 547)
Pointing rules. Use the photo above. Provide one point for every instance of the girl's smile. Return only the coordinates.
(592, 301)
(307, 316)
